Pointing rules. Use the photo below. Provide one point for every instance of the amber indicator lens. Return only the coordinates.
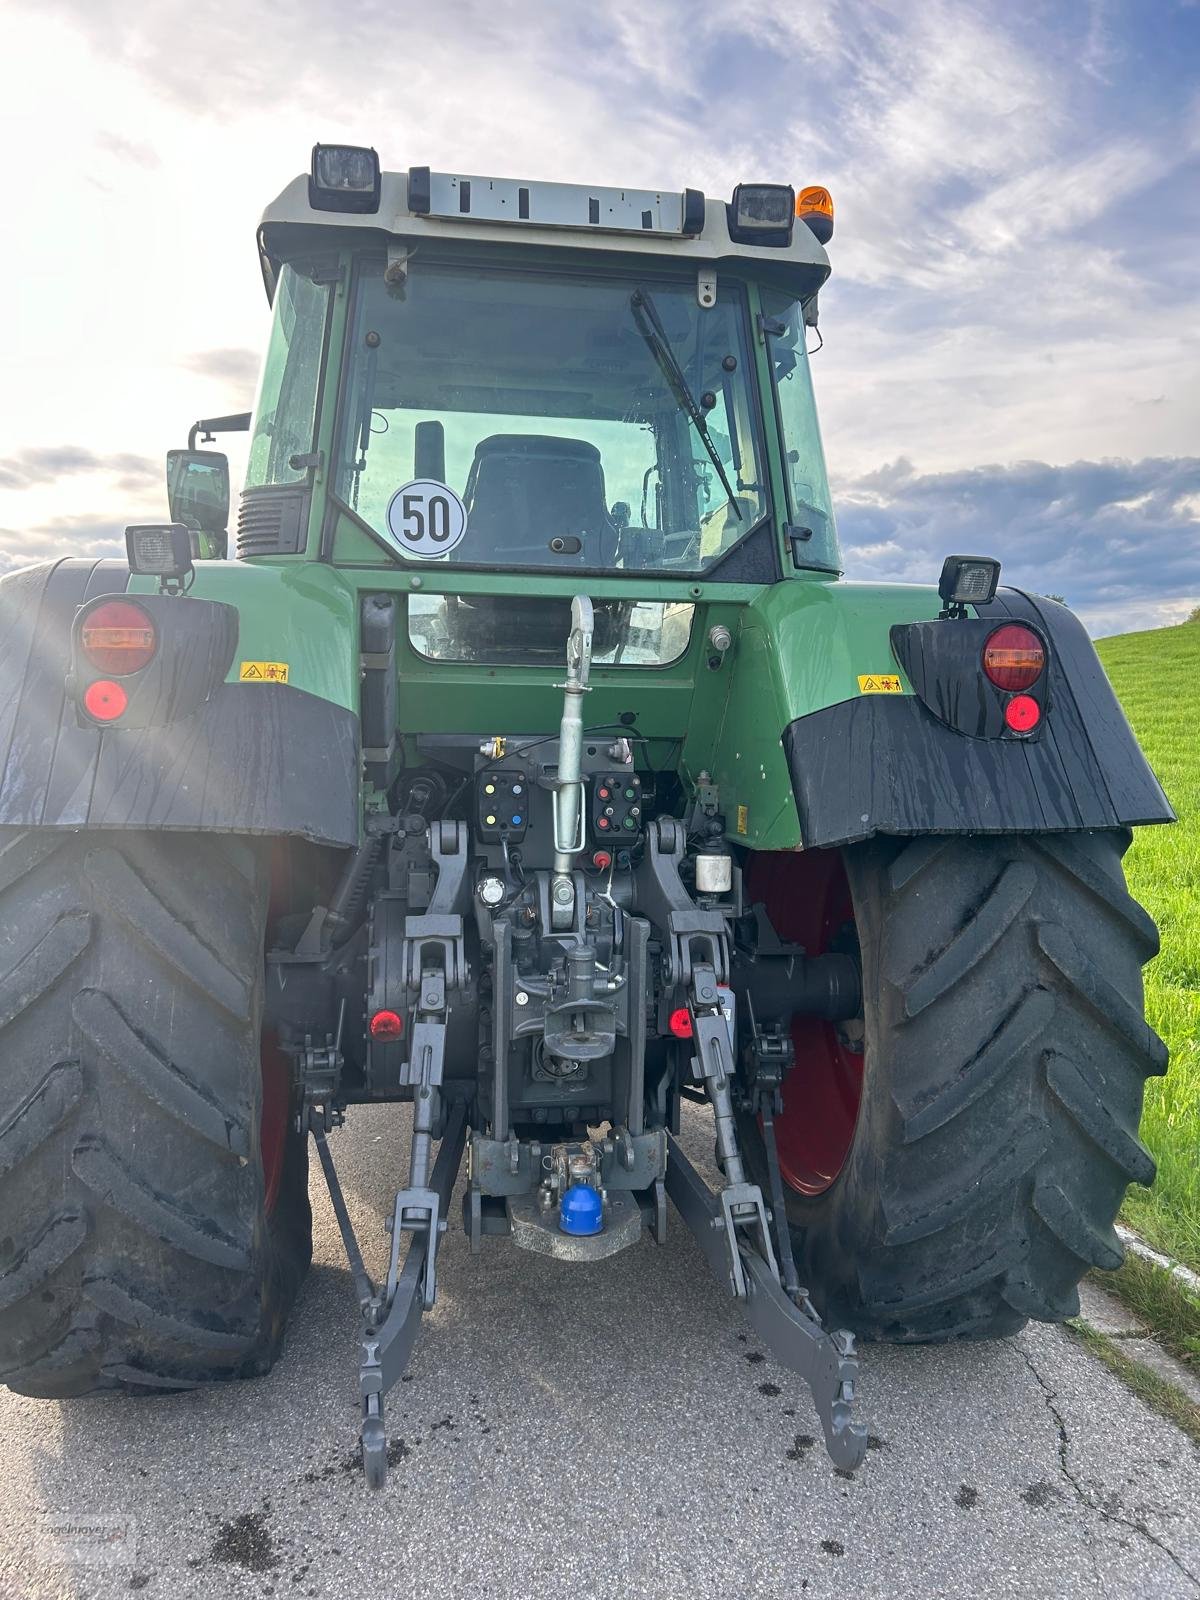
(1013, 657)
(118, 637)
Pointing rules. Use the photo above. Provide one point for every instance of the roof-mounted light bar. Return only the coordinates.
(452, 196)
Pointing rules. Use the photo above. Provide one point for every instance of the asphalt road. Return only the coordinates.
(597, 1431)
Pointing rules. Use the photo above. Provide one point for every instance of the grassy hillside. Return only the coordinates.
(1157, 676)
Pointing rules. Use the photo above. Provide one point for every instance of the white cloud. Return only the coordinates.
(1119, 539)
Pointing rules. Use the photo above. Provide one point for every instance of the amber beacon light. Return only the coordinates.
(814, 206)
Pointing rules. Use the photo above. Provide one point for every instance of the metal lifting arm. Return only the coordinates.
(392, 1311)
(568, 794)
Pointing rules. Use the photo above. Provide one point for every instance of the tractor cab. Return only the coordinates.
(544, 381)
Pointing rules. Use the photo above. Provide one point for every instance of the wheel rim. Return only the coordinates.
(273, 1121)
(807, 896)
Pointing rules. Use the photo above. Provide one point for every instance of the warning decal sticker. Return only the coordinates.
(426, 519)
(879, 683)
(743, 819)
(263, 672)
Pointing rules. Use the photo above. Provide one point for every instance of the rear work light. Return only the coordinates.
(118, 638)
(762, 213)
(1014, 657)
(161, 549)
(967, 581)
(344, 177)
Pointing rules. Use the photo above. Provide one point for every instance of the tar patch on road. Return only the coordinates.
(831, 1547)
(247, 1542)
(804, 1443)
(1039, 1495)
(965, 1496)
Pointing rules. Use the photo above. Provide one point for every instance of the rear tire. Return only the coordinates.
(138, 1249)
(1005, 1057)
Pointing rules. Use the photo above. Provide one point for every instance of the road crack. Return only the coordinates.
(1104, 1512)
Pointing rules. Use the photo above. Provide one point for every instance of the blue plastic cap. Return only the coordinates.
(581, 1211)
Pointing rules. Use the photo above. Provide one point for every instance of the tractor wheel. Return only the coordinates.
(955, 1159)
(154, 1219)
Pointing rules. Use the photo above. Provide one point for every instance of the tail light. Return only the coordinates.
(1022, 713)
(680, 1023)
(104, 700)
(1014, 658)
(118, 638)
(386, 1026)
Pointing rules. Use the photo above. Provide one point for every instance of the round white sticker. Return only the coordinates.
(426, 518)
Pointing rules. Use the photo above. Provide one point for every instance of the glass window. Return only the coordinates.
(519, 630)
(286, 409)
(581, 422)
(808, 485)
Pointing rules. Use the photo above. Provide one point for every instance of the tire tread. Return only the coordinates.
(1007, 1052)
(135, 1251)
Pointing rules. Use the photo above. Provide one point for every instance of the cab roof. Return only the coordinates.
(419, 205)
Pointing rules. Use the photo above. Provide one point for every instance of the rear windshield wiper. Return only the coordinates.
(645, 314)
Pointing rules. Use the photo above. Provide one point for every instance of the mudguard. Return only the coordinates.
(248, 758)
(940, 761)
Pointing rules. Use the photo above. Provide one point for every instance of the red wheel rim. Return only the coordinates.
(273, 1122)
(807, 897)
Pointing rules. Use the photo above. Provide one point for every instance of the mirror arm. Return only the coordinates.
(209, 427)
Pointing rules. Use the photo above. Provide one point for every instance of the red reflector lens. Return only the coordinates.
(1022, 713)
(104, 700)
(680, 1023)
(118, 637)
(387, 1025)
(1013, 657)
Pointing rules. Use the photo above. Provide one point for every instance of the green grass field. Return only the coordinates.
(1157, 676)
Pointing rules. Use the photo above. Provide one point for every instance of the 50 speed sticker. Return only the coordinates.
(426, 518)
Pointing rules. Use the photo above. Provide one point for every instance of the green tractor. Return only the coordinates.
(534, 765)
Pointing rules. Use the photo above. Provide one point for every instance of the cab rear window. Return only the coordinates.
(526, 630)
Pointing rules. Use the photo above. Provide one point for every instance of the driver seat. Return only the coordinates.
(523, 490)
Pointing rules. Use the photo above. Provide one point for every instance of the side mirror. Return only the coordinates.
(198, 495)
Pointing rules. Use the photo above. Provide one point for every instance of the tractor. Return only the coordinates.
(533, 763)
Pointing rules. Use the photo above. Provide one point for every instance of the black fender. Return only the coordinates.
(243, 758)
(940, 760)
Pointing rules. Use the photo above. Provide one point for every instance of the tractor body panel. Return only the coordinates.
(808, 726)
(943, 762)
(238, 755)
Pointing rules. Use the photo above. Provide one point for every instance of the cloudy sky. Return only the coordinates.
(1011, 333)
